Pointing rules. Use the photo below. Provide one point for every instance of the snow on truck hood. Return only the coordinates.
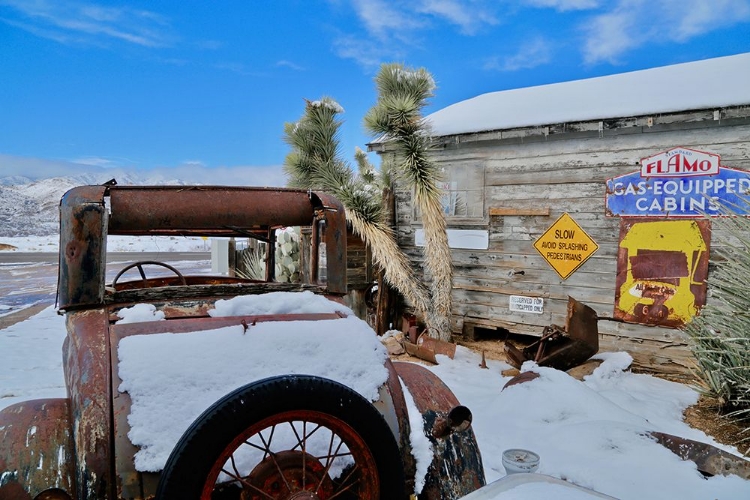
(172, 378)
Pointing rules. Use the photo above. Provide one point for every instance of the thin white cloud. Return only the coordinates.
(382, 18)
(531, 54)
(209, 44)
(634, 23)
(470, 17)
(564, 5)
(390, 27)
(610, 35)
(80, 22)
(234, 67)
(289, 64)
(366, 53)
(95, 161)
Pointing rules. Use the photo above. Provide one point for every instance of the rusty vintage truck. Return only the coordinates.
(336, 443)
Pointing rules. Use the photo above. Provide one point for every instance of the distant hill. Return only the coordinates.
(30, 207)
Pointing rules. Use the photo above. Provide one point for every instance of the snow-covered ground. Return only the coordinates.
(591, 433)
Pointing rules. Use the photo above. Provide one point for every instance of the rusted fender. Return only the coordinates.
(36, 449)
(456, 469)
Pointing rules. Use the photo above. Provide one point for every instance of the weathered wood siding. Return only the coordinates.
(564, 168)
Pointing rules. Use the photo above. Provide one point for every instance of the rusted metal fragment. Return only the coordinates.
(710, 460)
(420, 352)
(520, 379)
(36, 449)
(456, 469)
(437, 346)
(562, 348)
(427, 348)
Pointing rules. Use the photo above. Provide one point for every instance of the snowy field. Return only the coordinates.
(591, 433)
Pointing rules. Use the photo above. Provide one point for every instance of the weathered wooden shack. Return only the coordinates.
(515, 162)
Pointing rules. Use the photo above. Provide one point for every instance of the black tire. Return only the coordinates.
(232, 422)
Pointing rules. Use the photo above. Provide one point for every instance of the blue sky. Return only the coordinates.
(203, 89)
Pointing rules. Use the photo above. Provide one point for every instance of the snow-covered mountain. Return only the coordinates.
(30, 207)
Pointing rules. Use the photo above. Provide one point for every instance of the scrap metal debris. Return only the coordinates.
(562, 348)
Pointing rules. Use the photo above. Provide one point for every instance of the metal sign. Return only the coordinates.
(565, 246)
(662, 267)
(679, 183)
(521, 303)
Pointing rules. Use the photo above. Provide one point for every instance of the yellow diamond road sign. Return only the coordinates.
(565, 246)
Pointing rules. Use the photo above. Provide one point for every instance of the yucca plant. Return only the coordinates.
(314, 163)
(720, 335)
(251, 264)
(397, 115)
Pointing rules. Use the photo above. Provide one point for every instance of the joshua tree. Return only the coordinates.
(314, 162)
(402, 94)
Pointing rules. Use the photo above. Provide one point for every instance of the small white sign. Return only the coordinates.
(520, 303)
(471, 239)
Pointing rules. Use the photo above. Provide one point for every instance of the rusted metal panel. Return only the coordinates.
(36, 449)
(87, 375)
(456, 469)
(83, 239)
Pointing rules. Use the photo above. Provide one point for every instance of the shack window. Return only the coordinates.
(463, 192)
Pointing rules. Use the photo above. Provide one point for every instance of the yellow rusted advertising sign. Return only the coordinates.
(565, 246)
(662, 267)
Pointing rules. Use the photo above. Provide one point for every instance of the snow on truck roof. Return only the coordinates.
(711, 83)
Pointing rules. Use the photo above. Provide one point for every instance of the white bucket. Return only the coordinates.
(516, 460)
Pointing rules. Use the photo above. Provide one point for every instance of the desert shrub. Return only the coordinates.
(720, 335)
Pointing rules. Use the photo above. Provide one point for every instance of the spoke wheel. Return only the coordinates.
(294, 437)
(297, 454)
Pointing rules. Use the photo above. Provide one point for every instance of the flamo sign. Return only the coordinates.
(680, 182)
(565, 246)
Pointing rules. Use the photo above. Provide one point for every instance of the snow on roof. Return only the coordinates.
(712, 83)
